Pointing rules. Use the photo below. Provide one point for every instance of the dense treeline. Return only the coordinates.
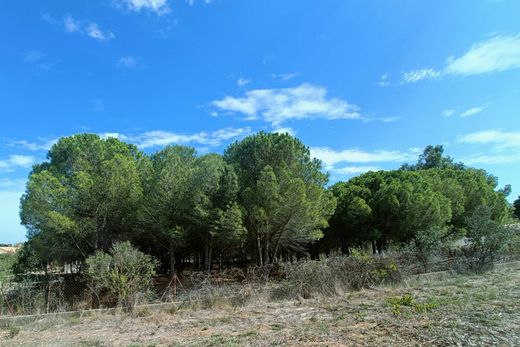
(264, 199)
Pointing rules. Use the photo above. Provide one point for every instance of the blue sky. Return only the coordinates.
(365, 84)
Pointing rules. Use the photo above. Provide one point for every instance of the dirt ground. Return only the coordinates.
(449, 310)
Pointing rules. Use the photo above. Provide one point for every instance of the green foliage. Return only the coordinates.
(281, 191)
(27, 259)
(428, 243)
(486, 239)
(82, 198)
(516, 208)
(11, 330)
(7, 262)
(422, 204)
(407, 300)
(124, 272)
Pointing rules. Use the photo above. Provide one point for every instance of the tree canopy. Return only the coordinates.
(265, 198)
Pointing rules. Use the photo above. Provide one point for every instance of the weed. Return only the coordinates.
(407, 300)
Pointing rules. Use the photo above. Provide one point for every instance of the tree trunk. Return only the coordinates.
(259, 246)
(172, 259)
(209, 252)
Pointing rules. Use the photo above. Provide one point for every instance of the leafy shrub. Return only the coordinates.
(408, 300)
(124, 272)
(486, 239)
(426, 244)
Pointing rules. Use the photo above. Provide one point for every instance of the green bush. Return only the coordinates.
(124, 272)
(407, 300)
(486, 239)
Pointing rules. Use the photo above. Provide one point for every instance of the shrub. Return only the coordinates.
(426, 244)
(486, 239)
(124, 272)
(408, 300)
(331, 275)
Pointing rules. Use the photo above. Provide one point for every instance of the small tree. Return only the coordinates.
(486, 238)
(124, 272)
(426, 244)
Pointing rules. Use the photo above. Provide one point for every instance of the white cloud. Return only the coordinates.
(71, 25)
(448, 113)
(279, 105)
(284, 130)
(492, 159)
(164, 138)
(15, 162)
(10, 184)
(95, 32)
(159, 7)
(33, 56)
(355, 170)
(419, 75)
(127, 61)
(243, 81)
(502, 146)
(499, 53)
(90, 29)
(496, 54)
(98, 105)
(501, 139)
(43, 145)
(285, 76)
(48, 18)
(472, 111)
(192, 2)
(331, 157)
(383, 81)
(389, 119)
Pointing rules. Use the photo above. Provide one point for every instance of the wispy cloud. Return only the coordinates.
(448, 113)
(389, 119)
(95, 32)
(71, 25)
(354, 170)
(16, 161)
(279, 105)
(48, 18)
(383, 80)
(472, 111)
(492, 159)
(88, 28)
(284, 130)
(285, 76)
(10, 184)
(419, 75)
(42, 145)
(98, 105)
(498, 53)
(150, 139)
(502, 147)
(332, 157)
(192, 2)
(243, 81)
(33, 56)
(158, 7)
(127, 61)
(158, 138)
(502, 139)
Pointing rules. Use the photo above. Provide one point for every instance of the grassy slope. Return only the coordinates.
(470, 311)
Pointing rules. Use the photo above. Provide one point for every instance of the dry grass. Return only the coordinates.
(481, 310)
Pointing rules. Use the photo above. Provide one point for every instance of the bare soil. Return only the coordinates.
(478, 310)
